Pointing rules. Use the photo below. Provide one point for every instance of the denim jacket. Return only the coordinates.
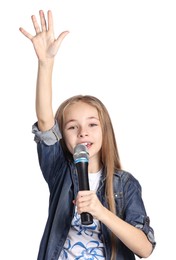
(60, 175)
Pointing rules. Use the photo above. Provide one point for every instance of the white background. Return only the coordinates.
(123, 52)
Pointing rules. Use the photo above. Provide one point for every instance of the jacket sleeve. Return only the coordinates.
(49, 137)
(49, 151)
(134, 211)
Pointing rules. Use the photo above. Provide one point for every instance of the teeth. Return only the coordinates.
(86, 144)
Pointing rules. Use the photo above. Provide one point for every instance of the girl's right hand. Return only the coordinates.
(44, 42)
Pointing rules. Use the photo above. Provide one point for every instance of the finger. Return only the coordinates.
(85, 193)
(60, 38)
(50, 21)
(25, 33)
(35, 23)
(42, 20)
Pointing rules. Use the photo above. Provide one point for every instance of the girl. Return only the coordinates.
(121, 228)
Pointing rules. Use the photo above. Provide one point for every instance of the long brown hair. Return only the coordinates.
(109, 152)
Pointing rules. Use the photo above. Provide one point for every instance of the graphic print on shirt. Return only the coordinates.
(83, 242)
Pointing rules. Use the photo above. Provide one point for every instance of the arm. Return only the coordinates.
(134, 238)
(46, 47)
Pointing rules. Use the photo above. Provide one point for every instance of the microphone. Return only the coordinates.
(81, 160)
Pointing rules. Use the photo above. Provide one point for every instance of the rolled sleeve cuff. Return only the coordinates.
(49, 137)
(145, 227)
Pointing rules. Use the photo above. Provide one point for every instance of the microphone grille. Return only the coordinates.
(80, 151)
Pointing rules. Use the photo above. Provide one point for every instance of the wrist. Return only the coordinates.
(46, 62)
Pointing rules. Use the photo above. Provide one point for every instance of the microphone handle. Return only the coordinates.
(82, 170)
(86, 218)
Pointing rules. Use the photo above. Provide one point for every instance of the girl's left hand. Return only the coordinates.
(87, 201)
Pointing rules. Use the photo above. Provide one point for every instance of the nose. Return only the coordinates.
(82, 132)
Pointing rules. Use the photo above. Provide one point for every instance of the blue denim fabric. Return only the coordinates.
(60, 175)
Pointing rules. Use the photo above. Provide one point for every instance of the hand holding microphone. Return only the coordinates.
(81, 159)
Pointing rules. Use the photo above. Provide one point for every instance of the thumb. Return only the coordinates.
(61, 37)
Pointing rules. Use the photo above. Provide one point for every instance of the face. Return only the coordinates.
(82, 126)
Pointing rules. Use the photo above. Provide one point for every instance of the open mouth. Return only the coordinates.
(88, 144)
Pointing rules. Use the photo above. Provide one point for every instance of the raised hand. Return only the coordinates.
(44, 42)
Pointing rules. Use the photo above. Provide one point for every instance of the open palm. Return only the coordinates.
(45, 43)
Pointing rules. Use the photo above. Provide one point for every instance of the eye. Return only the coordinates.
(71, 127)
(93, 124)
